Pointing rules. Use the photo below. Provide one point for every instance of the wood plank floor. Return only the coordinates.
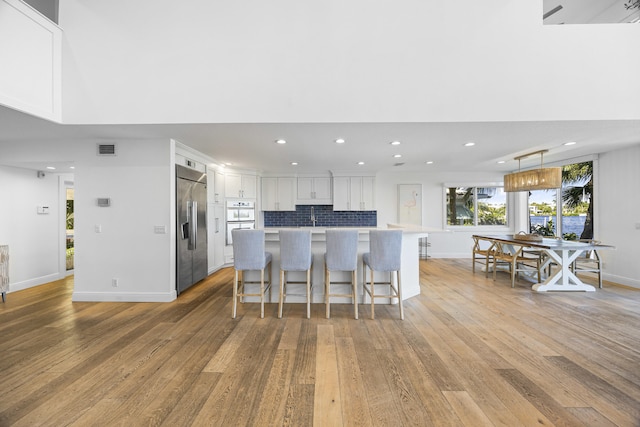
(471, 352)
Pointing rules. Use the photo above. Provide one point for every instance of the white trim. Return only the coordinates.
(123, 297)
(37, 281)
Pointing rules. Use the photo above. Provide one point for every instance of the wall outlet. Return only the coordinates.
(97, 228)
(114, 283)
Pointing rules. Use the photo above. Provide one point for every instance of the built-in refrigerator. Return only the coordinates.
(191, 236)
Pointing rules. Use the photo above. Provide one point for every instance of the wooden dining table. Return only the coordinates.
(561, 252)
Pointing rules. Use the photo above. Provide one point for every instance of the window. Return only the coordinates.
(476, 206)
(575, 219)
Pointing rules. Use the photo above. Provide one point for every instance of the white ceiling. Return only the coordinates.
(252, 146)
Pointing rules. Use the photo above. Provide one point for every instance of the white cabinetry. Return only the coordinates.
(215, 224)
(314, 190)
(278, 194)
(240, 185)
(353, 193)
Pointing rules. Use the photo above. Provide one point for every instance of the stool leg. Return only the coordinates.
(281, 300)
(327, 286)
(354, 284)
(262, 294)
(399, 284)
(373, 315)
(309, 294)
(235, 295)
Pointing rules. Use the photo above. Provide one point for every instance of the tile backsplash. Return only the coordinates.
(325, 217)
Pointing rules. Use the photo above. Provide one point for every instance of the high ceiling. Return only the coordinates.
(313, 147)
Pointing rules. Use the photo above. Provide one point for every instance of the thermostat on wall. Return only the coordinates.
(104, 202)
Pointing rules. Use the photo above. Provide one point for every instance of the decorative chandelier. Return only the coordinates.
(534, 179)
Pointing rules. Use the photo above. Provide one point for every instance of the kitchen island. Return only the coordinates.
(410, 272)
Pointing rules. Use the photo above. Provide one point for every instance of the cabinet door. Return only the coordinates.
(232, 185)
(305, 188)
(218, 184)
(368, 197)
(322, 189)
(286, 194)
(341, 198)
(249, 185)
(355, 187)
(269, 194)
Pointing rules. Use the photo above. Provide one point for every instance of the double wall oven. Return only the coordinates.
(240, 214)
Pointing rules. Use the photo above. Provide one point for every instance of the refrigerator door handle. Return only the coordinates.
(194, 225)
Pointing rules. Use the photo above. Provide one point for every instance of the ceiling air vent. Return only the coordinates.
(106, 149)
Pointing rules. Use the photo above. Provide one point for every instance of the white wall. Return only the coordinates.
(30, 54)
(36, 241)
(619, 214)
(140, 180)
(341, 61)
(451, 244)
(140, 183)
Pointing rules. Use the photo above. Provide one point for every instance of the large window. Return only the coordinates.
(575, 219)
(476, 206)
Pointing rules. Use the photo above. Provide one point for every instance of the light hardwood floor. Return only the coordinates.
(471, 352)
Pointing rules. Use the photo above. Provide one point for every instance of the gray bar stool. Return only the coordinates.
(249, 254)
(384, 255)
(295, 255)
(341, 255)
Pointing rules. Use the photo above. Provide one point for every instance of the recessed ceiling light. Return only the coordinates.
(51, 168)
(500, 162)
(397, 156)
(429, 162)
(570, 143)
(294, 163)
(395, 143)
(361, 163)
(469, 144)
(229, 164)
(281, 141)
(339, 141)
(72, 167)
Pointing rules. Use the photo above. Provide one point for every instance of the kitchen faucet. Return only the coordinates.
(313, 217)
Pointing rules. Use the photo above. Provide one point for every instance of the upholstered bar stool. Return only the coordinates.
(248, 255)
(384, 255)
(295, 255)
(341, 255)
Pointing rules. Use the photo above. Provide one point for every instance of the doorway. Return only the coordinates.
(69, 226)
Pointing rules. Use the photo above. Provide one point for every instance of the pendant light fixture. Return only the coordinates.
(534, 179)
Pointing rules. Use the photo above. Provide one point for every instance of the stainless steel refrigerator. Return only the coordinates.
(191, 216)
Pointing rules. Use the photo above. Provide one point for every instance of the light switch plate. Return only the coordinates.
(160, 229)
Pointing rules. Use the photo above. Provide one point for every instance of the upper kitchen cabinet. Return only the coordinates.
(215, 186)
(314, 191)
(354, 193)
(240, 186)
(278, 194)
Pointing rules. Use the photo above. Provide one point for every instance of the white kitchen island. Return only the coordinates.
(410, 270)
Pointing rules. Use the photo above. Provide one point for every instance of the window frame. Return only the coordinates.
(476, 226)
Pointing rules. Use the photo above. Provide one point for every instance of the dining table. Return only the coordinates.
(561, 252)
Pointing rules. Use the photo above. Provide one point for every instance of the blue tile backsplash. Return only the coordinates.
(325, 217)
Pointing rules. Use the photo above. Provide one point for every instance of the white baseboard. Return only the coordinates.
(26, 284)
(123, 297)
(626, 281)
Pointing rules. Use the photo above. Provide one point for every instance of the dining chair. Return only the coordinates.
(249, 254)
(295, 255)
(385, 247)
(341, 255)
(516, 260)
(483, 251)
(589, 262)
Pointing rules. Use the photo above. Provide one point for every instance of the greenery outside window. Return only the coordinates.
(476, 206)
